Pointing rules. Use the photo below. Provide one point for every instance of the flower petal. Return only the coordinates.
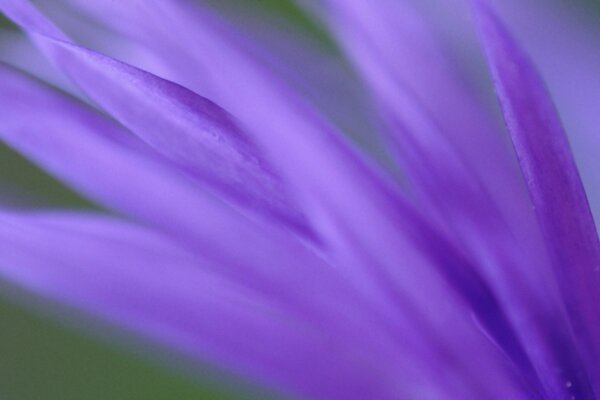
(18, 51)
(194, 132)
(350, 203)
(144, 282)
(563, 43)
(552, 178)
(104, 162)
(85, 150)
(353, 206)
(403, 63)
(491, 219)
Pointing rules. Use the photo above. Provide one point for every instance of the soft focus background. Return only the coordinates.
(48, 352)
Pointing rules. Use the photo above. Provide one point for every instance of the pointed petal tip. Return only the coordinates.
(551, 175)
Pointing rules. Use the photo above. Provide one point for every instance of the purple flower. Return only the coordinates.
(247, 230)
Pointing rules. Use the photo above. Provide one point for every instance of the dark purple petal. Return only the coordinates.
(552, 178)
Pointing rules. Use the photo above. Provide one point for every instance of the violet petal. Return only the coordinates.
(552, 178)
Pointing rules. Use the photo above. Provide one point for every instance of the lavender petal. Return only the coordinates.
(146, 283)
(194, 132)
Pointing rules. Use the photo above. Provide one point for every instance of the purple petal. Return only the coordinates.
(80, 147)
(563, 43)
(144, 282)
(397, 53)
(415, 275)
(350, 203)
(17, 50)
(194, 132)
(432, 119)
(434, 122)
(94, 156)
(552, 178)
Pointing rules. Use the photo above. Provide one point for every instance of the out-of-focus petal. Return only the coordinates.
(143, 281)
(284, 281)
(432, 118)
(194, 132)
(398, 55)
(300, 51)
(348, 188)
(95, 156)
(353, 206)
(553, 181)
(81, 148)
(17, 50)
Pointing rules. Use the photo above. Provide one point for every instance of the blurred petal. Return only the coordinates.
(301, 52)
(97, 158)
(194, 132)
(353, 206)
(17, 50)
(403, 64)
(144, 282)
(416, 273)
(300, 283)
(86, 151)
(433, 118)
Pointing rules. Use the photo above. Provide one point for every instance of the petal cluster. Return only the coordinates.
(244, 228)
